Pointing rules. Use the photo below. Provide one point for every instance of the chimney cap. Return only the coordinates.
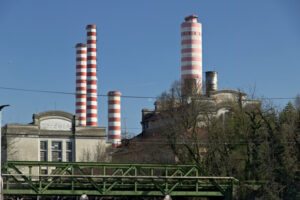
(81, 45)
(190, 17)
(91, 26)
(211, 72)
(114, 93)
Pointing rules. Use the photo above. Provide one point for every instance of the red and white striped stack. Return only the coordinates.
(81, 57)
(114, 118)
(191, 51)
(92, 105)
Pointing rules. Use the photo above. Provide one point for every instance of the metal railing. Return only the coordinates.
(109, 179)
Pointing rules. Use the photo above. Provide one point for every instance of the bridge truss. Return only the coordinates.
(107, 179)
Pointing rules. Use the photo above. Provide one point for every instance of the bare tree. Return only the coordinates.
(100, 153)
(182, 119)
(86, 155)
(297, 102)
(259, 145)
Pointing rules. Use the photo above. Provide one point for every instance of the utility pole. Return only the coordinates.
(1, 182)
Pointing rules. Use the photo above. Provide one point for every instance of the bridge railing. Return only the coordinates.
(110, 179)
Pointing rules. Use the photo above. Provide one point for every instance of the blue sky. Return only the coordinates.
(250, 43)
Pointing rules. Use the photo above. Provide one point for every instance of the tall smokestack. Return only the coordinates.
(211, 81)
(92, 105)
(114, 118)
(191, 55)
(81, 57)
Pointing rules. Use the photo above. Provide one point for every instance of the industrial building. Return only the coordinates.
(150, 145)
(52, 136)
(63, 137)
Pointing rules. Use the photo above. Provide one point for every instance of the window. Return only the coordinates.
(43, 150)
(56, 151)
(69, 156)
(69, 151)
(43, 156)
(69, 146)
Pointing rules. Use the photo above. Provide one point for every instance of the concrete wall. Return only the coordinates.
(91, 150)
(22, 149)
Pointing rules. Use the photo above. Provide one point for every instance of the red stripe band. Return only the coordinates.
(184, 25)
(80, 111)
(92, 91)
(89, 65)
(191, 42)
(92, 58)
(80, 51)
(114, 119)
(80, 74)
(190, 33)
(114, 136)
(81, 81)
(91, 115)
(114, 102)
(114, 128)
(81, 59)
(91, 123)
(191, 50)
(80, 89)
(191, 59)
(113, 110)
(91, 98)
(91, 26)
(91, 33)
(92, 49)
(80, 103)
(91, 107)
(92, 74)
(91, 41)
(80, 66)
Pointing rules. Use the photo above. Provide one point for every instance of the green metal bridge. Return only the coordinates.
(107, 179)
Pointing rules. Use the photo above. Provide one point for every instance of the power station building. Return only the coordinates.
(59, 136)
(63, 137)
(191, 78)
(52, 136)
(151, 145)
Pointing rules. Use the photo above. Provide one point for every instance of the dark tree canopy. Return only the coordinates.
(260, 146)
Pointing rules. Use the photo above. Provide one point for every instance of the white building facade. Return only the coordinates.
(53, 136)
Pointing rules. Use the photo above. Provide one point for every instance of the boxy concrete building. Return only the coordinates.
(53, 136)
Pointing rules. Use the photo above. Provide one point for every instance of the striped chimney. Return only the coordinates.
(81, 57)
(92, 105)
(191, 55)
(114, 118)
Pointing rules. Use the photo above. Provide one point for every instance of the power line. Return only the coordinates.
(201, 143)
(131, 128)
(37, 91)
(105, 95)
(70, 93)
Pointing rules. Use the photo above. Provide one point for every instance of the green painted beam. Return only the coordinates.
(90, 164)
(112, 179)
(114, 193)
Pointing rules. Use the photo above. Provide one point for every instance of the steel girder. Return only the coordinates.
(110, 179)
